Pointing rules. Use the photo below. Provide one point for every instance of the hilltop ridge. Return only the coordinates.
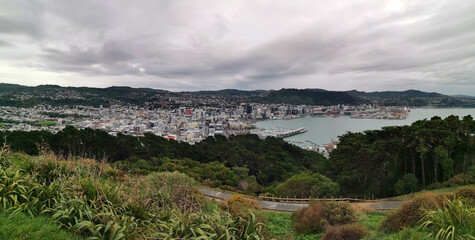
(26, 96)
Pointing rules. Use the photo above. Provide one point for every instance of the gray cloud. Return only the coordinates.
(5, 43)
(368, 45)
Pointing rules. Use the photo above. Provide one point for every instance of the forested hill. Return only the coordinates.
(229, 92)
(310, 97)
(23, 96)
(392, 94)
(269, 161)
(414, 98)
(397, 160)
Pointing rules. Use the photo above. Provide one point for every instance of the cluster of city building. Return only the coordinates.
(189, 124)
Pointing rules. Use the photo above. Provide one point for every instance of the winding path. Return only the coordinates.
(295, 207)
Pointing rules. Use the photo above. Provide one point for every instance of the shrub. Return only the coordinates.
(209, 183)
(317, 215)
(338, 213)
(87, 219)
(250, 185)
(113, 174)
(89, 188)
(353, 231)
(411, 212)
(407, 184)
(308, 185)
(46, 169)
(456, 180)
(466, 192)
(453, 220)
(165, 189)
(253, 186)
(229, 188)
(310, 219)
(238, 205)
(215, 225)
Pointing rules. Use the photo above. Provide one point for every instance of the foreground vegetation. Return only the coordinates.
(22, 226)
(244, 162)
(427, 216)
(98, 201)
(95, 200)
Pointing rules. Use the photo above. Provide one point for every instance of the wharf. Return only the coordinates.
(279, 132)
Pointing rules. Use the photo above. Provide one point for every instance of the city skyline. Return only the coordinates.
(211, 45)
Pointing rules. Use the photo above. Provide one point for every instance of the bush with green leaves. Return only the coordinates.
(18, 193)
(84, 218)
(467, 193)
(239, 206)
(308, 185)
(407, 184)
(317, 216)
(97, 201)
(165, 190)
(455, 219)
(216, 225)
(310, 219)
(338, 213)
(411, 212)
(353, 231)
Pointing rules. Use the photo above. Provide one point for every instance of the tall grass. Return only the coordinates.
(454, 220)
(97, 201)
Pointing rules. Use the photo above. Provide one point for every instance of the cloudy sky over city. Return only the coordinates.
(193, 45)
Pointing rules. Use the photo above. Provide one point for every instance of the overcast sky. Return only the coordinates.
(247, 44)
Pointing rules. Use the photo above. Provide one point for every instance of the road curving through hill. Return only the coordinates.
(295, 207)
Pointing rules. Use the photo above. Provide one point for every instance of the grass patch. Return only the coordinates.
(21, 226)
(440, 190)
(45, 124)
(280, 226)
(405, 234)
(2, 124)
(371, 220)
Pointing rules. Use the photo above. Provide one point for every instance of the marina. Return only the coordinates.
(278, 132)
(320, 131)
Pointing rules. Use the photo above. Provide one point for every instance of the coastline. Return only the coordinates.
(323, 130)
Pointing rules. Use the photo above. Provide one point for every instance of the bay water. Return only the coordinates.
(322, 130)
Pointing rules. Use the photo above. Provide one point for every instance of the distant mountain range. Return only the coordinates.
(463, 96)
(11, 95)
(393, 94)
(310, 97)
(229, 92)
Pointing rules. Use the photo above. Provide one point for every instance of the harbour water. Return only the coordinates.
(322, 130)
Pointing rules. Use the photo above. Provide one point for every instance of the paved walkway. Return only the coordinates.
(295, 207)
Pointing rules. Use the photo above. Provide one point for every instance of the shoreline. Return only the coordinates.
(322, 130)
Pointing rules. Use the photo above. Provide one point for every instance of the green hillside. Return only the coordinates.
(310, 97)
